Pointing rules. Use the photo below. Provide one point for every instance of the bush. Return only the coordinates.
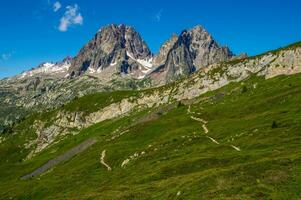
(244, 89)
(274, 124)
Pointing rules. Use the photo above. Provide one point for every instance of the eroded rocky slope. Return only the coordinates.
(116, 58)
(193, 50)
(114, 49)
(282, 62)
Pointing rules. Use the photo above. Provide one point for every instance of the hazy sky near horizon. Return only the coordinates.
(35, 31)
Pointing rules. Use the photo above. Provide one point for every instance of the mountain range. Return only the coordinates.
(116, 58)
(118, 122)
(120, 50)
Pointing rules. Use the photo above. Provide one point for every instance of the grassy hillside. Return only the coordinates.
(256, 124)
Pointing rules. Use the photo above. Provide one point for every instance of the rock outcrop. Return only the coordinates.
(194, 49)
(161, 57)
(116, 58)
(212, 77)
(114, 49)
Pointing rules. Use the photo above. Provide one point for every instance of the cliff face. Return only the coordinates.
(161, 57)
(116, 58)
(194, 49)
(118, 47)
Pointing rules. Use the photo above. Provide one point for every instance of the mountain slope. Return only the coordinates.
(229, 131)
(63, 120)
(171, 156)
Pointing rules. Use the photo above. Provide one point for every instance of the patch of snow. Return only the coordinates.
(114, 63)
(47, 68)
(146, 63)
(91, 70)
(23, 75)
(130, 55)
(146, 71)
(99, 70)
(141, 77)
(48, 65)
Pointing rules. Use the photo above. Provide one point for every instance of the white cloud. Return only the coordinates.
(72, 16)
(78, 19)
(56, 6)
(158, 15)
(6, 56)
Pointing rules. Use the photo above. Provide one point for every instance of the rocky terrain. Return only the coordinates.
(114, 50)
(212, 77)
(193, 118)
(160, 58)
(193, 50)
(116, 58)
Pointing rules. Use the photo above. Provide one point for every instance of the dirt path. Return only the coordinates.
(206, 130)
(236, 148)
(213, 140)
(53, 162)
(202, 121)
(199, 119)
(102, 160)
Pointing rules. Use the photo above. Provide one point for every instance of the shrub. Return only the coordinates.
(274, 124)
(244, 89)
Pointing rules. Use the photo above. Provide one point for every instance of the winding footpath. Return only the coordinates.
(202, 121)
(206, 130)
(102, 160)
(199, 119)
(236, 148)
(213, 140)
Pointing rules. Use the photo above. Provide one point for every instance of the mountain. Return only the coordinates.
(116, 58)
(161, 57)
(282, 62)
(119, 49)
(59, 69)
(193, 50)
(118, 52)
(230, 130)
(114, 49)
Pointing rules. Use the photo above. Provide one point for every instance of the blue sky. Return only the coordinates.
(34, 31)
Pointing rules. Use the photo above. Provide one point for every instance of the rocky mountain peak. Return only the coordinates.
(160, 58)
(205, 50)
(119, 46)
(194, 49)
(47, 69)
(118, 51)
(67, 60)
